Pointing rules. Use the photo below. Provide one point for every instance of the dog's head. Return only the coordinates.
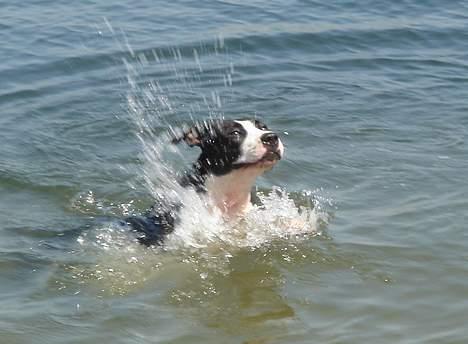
(232, 144)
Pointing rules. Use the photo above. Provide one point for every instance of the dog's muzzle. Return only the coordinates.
(273, 146)
(270, 140)
(272, 156)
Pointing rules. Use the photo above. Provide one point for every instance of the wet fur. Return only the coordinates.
(233, 154)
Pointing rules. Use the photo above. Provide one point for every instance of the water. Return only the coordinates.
(371, 101)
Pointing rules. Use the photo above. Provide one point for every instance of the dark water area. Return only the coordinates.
(370, 99)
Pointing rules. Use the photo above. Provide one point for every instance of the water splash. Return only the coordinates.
(202, 246)
(156, 108)
(278, 217)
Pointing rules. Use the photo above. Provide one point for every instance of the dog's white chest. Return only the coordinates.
(231, 192)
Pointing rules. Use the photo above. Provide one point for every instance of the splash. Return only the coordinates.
(203, 246)
(277, 217)
(157, 108)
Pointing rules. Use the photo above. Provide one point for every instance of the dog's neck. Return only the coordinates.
(230, 193)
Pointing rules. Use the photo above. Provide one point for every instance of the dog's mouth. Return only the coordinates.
(269, 159)
(270, 156)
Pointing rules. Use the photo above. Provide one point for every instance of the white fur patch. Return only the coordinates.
(230, 193)
(252, 148)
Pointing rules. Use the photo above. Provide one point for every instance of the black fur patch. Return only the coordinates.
(220, 143)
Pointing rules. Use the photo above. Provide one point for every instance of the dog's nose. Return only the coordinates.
(269, 139)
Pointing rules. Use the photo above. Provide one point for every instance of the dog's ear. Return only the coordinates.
(191, 136)
(199, 134)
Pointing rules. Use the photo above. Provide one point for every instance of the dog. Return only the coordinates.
(233, 154)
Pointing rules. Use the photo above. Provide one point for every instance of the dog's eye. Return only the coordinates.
(263, 127)
(235, 133)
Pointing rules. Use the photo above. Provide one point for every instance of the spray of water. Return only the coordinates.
(150, 107)
(157, 107)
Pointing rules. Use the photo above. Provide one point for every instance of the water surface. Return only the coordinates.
(371, 102)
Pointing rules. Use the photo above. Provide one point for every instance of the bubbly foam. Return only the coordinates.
(203, 243)
(277, 217)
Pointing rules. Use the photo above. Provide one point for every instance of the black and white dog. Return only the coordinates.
(233, 154)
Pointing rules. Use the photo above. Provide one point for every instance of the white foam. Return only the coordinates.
(277, 218)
